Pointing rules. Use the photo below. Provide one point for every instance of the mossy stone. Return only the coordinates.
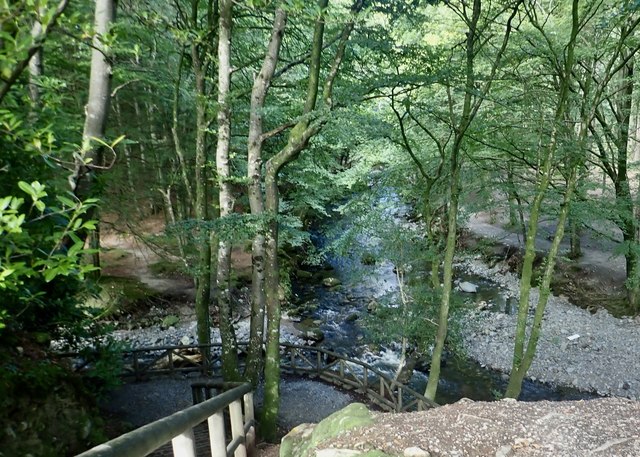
(303, 439)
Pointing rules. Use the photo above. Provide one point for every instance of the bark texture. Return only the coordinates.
(522, 358)
(227, 333)
(256, 201)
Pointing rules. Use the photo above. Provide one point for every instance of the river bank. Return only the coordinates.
(600, 359)
(592, 352)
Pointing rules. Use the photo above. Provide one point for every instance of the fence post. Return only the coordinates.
(237, 427)
(217, 439)
(184, 445)
(248, 419)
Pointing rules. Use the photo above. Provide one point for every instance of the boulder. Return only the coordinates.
(331, 282)
(468, 287)
(304, 274)
(169, 321)
(304, 440)
(309, 331)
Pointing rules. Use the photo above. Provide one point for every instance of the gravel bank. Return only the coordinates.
(594, 352)
(185, 333)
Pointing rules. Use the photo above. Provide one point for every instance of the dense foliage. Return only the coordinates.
(242, 123)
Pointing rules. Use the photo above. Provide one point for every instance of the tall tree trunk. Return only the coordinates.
(127, 157)
(297, 142)
(36, 66)
(299, 139)
(521, 359)
(511, 197)
(256, 202)
(201, 210)
(473, 99)
(624, 196)
(227, 333)
(175, 134)
(526, 358)
(450, 248)
(97, 109)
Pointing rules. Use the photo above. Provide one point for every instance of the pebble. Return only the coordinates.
(603, 358)
(415, 452)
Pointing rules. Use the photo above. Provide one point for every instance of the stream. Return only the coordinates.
(338, 312)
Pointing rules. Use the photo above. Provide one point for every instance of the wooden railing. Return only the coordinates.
(329, 366)
(178, 428)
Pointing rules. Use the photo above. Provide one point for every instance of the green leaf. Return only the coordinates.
(89, 225)
(117, 140)
(27, 188)
(50, 274)
(4, 202)
(5, 273)
(65, 201)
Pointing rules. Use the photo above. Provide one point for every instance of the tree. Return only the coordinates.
(227, 333)
(570, 143)
(307, 127)
(255, 139)
(611, 130)
(89, 159)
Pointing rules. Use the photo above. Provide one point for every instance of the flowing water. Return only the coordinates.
(339, 312)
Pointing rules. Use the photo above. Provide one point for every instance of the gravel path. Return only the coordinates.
(595, 352)
(302, 400)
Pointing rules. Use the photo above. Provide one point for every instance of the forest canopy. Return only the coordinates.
(241, 124)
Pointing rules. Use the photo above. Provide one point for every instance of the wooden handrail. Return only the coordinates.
(329, 366)
(178, 428)
(313, 361)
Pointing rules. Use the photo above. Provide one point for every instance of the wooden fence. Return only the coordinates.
(178, 428)
(314, 362)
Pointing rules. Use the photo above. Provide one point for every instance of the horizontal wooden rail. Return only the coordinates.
(311, 361)
(178, 428)
(344, 371)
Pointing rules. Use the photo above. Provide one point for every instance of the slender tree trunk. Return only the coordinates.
(271, 283)
(575, 243)
(97, 108)
(452, 214)
(36, 67)
(299, 139)
(624, 196)
(90, 158)
(227, 333)
(201, 210)
(450, 248)
(254, 174)
(511, 197)
(127, 158)
(526, 358)
(175, 135)
(521, 359)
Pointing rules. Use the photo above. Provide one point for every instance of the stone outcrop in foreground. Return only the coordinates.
(603, 427)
